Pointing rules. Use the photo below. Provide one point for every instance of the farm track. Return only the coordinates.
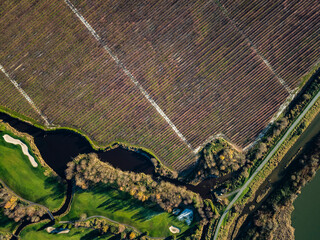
(290, 36)
(255, 49)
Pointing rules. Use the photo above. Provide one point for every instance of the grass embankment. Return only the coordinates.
(272, 164)
(39, 185)
(121, 207)
(33, 232)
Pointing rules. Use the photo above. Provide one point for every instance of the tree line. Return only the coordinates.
(301, 171)
(88, 170)
(17, 210)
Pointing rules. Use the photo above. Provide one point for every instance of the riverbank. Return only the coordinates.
(248, 191)
(277, 208)
(94, 145)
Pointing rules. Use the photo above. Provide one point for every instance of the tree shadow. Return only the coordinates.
(122, 201)
(57, 188)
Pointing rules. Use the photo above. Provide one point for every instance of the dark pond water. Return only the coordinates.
(59, 147)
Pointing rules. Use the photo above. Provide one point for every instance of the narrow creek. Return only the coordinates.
(59, 147)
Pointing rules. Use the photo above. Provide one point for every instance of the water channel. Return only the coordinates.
(274, 179)
(59, 147)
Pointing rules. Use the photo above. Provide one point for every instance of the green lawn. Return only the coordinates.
(6, 225)
(34, 232)
(26, 181)
(121, 207)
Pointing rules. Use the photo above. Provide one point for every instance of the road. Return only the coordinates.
(269, 156)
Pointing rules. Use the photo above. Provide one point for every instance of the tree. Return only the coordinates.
(132, 235)
(121, 228)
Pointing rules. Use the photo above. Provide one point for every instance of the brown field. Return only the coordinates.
(11, 100)
(191, 59)
(287, 33)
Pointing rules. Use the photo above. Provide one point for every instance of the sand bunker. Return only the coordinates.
(24, 147)
(174, 229)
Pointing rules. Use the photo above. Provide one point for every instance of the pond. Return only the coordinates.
(59, 147)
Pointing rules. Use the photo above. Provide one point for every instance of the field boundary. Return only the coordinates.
(26, 96)
(128, 73)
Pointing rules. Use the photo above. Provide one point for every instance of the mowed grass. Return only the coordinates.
(7, 225)
(28, 182)
(121, 207)
(35, 232)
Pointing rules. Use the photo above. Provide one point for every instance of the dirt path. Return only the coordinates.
(128, 73)
(25, 95)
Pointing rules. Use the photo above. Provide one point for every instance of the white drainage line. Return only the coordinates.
(25, 95)
(127, 72)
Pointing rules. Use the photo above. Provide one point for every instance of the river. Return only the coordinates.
(306, 215)
(287, 165)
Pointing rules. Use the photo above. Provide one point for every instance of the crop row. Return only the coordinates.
(285, 32)
(197, 67)
(76, 84)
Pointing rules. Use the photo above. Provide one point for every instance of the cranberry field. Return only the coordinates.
(163, 75)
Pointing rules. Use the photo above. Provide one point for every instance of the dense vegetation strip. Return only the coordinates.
(302, 102)
(263, 224)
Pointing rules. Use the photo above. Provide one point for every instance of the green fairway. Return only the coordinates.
(34, 232)
(26, 181)
(6, 225)
(121, 207)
